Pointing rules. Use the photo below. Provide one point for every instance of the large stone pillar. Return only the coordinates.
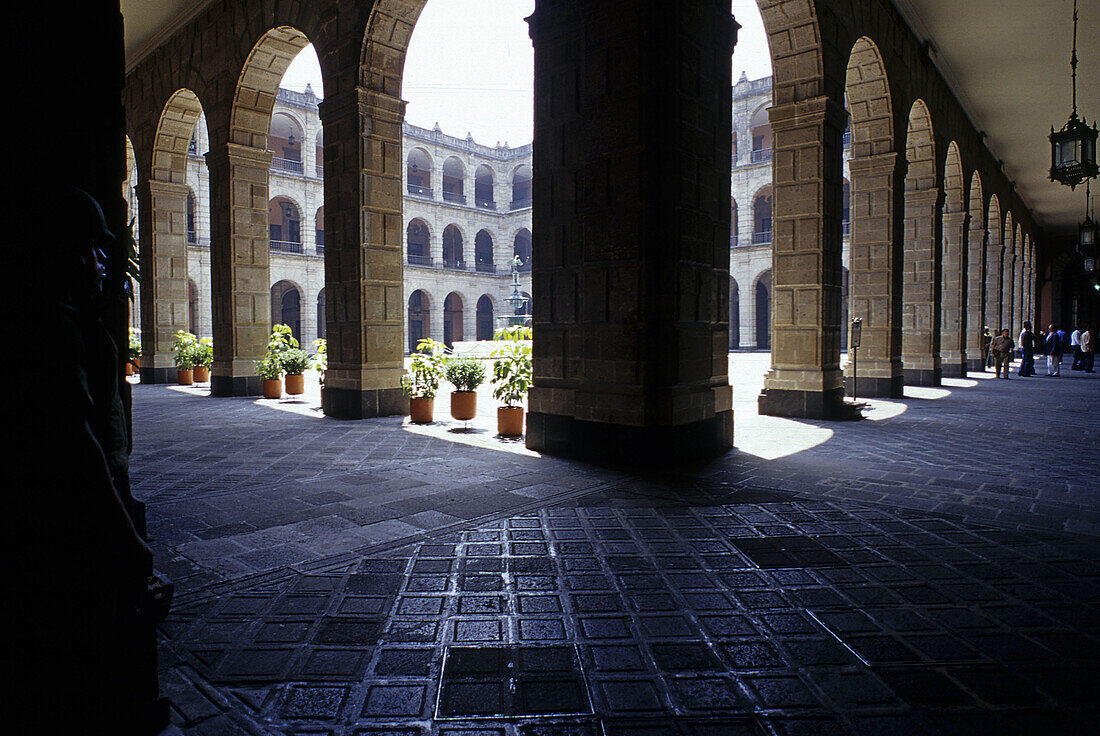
(875, 291)
(364, 238)
(975, 295)
(631, 221)
(805, 379)
(240, 273)
(1008, 298)
(994, 286)
(953, 299)
(920, 311)
(163, 257)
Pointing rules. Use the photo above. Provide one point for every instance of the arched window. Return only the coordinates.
(452, 248)
(521, 247)
(286, 307)
(452, 319)
(420, 173)
(192, 232)
(418, 243)
(521, 187)
(418, 318)
(483, 252)
(192, 307)
(762, 217)
(846, 209)
(285, 143)
(322, 322)
(453, 185)
(761, 136)
(319, 155)
(285, 225)
(485, 318)
(319, 225)
(763, 306)
(484, 196)
(733, 222)
(735, 315)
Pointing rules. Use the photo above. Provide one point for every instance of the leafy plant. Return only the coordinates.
(133, 350)
(516, 332)
(133, 268)
(512, 373)
(270, 367)
(294, 361)
(281, 340)
(320, 360)
(204, 352)
(425, 369)
(465, 373)
(186, 349)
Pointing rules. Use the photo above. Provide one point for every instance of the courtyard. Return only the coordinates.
(931, 569)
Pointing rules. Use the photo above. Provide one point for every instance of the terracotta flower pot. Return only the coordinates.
(185, 376)
(137, 363)
(510, 420)
(463, 405)
(129, 368)
(295, 384)
(421, 410)
(202, 374)
(273, 388)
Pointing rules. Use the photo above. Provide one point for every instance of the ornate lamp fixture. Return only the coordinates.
(1073, 148)
(1086, 240)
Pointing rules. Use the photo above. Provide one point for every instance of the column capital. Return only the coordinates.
(360, 101)
(155, 187)
(878, 163)
(236, 153)
(805, 113)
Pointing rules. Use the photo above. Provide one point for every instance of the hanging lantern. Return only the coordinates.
(1073, 148)
(1086, 238)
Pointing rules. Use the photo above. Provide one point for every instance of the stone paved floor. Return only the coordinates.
(933, 570)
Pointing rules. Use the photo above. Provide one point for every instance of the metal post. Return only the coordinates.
(857, 333)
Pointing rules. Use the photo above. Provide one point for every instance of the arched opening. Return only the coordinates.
(761, 136)
(452, 248)
(994, 265)
(319, 229)
(452, 319)
(418, 243)
(192, 307)
(521, 187)
(484, 195)
(735, 315)
(419, 173)
(418, 318)
(846, 209)
(285, 143)
(521, 248)
(483, 252)
(485, 318)
(844, 319)
(284, 223)
(322, 327)
(762, 217)
(286, 307)
(953, 260)
(192, 230)
(733, 222)
(975, 275)
(319, 154)
(454, 175)
(763, 311)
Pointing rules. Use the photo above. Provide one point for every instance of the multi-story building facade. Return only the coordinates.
(467, 211)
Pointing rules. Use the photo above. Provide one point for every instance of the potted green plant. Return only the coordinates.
(422, 379)
(320, 360)
(511, 379)
(185, 349)
(466, 374)
(133, 352)
(204, 358)
(294, 362)
(271, 370)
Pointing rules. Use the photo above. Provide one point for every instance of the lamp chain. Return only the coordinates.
(1073, 59)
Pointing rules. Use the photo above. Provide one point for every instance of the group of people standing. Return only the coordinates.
(998, 350)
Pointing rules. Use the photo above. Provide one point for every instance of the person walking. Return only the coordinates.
(987, 356)
(1027, 351)
(1052, 347)
(1075, 346)
(1002, 347)
(1088, 351)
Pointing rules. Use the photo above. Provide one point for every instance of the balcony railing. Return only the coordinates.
(762, 237)
(519, 204)
(486, 204)
(192, 237)
(454, 265)
(486, 267)
(285, 164)
(455, 197)
(761, 155)
(319, 170)
(846, 228)
(320, 249)
(524, 267)
(417, 260)
(846, 139)
(285, 246)
(420, 191)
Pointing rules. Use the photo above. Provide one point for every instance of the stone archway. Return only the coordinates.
(975, 275)
(452, 319)
(953, 316)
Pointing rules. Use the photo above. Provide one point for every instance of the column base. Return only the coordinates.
(881, 388)
(975, 365)
(236, 386)
(565, 436)
(157, 375)
(349, 403)
(954, 370)
(797, 404)
(922, 376)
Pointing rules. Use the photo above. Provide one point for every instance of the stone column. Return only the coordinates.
(874, 288)
(1018, 313)
(163, 256)
(240, 273)
(805, 378)
(975, 295)
(1008, 297)
(746, 307)
(920, 311)
(953, 299)
(994, 285)
(631, 218)
(363, 255)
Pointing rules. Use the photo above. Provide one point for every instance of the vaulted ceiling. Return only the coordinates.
(1007, 61)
